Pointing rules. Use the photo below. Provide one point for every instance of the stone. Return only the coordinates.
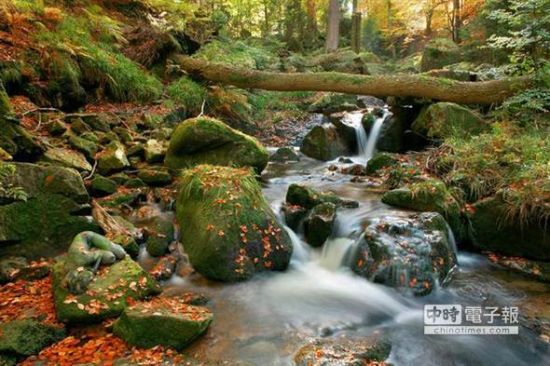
(154, 151)
(68, 158)
(78, 127)
(102, 186)
(13, 268)
(307, 197)
(206, 140)
(85, 146)
(155, 177)
(319, 223)
(343, 352)
(412, 253)
(227, 228)
(175, 323)
(112, 158)
(324, 143)
(492, 229)
(334, 102)
(439, 52)
(294, 214)
(124, 134)
(28, 337)
(16, 141)
(160, 233)
(112, 289)
(380, 161)
(441, 120)
(135, 183)
(97, 122)
(57, 128)
(285, 154)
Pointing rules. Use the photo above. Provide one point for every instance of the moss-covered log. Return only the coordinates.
(399, 85)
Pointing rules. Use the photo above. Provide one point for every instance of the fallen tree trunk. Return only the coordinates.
(399, 85)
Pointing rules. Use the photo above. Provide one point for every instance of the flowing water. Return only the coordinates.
(264, 321)
(366, 144)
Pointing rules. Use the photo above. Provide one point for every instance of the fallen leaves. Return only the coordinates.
(25, 299)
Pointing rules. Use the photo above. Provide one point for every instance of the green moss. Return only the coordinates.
(318, 225)
(206, 140)
(227, 228)
(112, 288)
(188, 93)
(172, 329)
(380, 161)
(28, 337)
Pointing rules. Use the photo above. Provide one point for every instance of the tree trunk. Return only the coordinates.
(457, 21)
(333, 26)
(421, 86)
(355, 28)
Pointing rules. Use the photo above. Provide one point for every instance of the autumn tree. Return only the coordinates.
(333, 26)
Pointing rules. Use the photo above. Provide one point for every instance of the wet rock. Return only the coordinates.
(391, 134)
(227, 228)
(119, 178)
(531, 268)
(308, 198)
(429, 195)
(324, 143)
(155, 177)
(102, 186)
(160, 234)
(380, 161)
(13, 268)
(343, 353)
(97, 122)
(346, 132)
(209, 141)
(439, 52)
(112, 158)
(78, 126)
(28, 337)
(444, 119)
(128, 243)
(123, 198)
(294, 214)
(154, 151)
(319, 223)
(123, 134)
(176, 324)
(355, 169)
(44, 223)
(4, 155)
(68, 158)
(108, 294)
(367, 101)
(492, 229)
(285, 154)
(85, 146)
(137, 150)
(410, 253)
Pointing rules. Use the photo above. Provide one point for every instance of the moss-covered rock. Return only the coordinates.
(439, 52)
(107, 295)
(430, 195)
(161, 233)
(227, 228)
(307, 197)
(28, 337)
(206, 140)
(14, 139)
(154, 151)
(406, 252)
(175, 324)
(324, 143)
(112, 158)
(102, 186)
(56, 128)
(379, 161)
(294, 214)
(68, 158)
(14, 268)
(285, 154)
(155, 177)
(444, 119)
(319, 223)
(493, 229)
(334, 102)
(42, 226)
(85, 146)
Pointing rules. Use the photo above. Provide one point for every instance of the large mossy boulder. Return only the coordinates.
(334, 102)
(412, 252)
(28, 336)
(380, 161)
(441, 120)
(67, 158)
(45, 214)
(205, 140)
(110, 292)
(439, 52)
(112, 158)
(227, 228)
(175, 323)
(492, 228)
(14, 139)
(307, 197)
(325, 143)
(431, 195)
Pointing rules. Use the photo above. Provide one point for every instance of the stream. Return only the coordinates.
(266, 320)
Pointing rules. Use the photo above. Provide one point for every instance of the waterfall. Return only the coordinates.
(335, 253)
(373, 136)
(366, 144)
